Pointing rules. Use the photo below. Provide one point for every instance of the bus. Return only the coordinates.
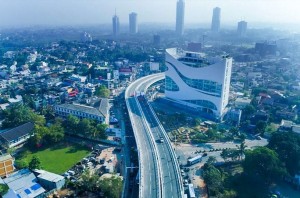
(194, 160)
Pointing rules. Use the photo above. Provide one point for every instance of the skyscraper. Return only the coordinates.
(116, 25)
(180, 17)
(198, 82)
(216, 20)
(242, 28)
(133, 26)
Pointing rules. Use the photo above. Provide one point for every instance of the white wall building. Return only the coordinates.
(198, 82)
(82, 111)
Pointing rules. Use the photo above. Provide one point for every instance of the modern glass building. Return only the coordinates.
(197, 81)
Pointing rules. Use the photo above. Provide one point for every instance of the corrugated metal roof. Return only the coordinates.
(45, 175)
(24, 184)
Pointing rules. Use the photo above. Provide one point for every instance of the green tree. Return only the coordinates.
(85, 127)
(232, 154)
(19, 114)
(111, 187)
(3, 189)
(197, 121)
(248, 110)
(71, 124)
(102, 91)
(35, 163)
(38, 134)
(20, 164)
(211, 160)
(261, 127)
(241, 149)
(89, 182)
(287, 145)
(56, 133)
(101, 131)
(213, 179)
(234, 131)
(264, 163)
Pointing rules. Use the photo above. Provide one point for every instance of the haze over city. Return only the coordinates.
(149, 98)
(19, 13)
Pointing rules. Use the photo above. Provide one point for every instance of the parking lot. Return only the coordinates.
(103, 159)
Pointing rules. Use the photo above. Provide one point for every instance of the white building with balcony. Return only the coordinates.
(197, 81)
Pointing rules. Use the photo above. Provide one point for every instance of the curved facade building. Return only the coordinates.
(198, 82)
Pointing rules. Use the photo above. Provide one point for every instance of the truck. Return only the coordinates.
(194, 160)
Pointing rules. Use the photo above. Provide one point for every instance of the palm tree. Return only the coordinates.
(241, 148)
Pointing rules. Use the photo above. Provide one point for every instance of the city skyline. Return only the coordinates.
(33, 12)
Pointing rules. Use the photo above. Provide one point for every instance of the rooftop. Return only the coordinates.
(5, 157)
(45, 175)
(194, 59)
(24, 184)
(82, 108)
(19, 131)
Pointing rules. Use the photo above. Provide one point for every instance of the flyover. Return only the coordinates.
(158, 165)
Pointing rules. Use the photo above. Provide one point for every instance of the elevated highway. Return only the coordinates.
(158, 166)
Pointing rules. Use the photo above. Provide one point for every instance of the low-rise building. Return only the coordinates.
(16, 136)
(23, 184)
(82, 111)
(50, 180)
(6, 165)
(242, 102)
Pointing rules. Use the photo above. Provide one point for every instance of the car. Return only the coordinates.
(162, 140)
(204, 154)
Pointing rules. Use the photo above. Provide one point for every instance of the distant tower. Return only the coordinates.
(180, 17)
(133, 27)
(216, 20)
(116, 25)
(242, 28)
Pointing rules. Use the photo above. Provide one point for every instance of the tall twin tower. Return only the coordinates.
(133, 24)
(215, 24)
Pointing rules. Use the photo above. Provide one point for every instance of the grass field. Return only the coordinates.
(57, 159)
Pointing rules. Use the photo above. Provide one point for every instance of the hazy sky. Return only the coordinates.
(79, 12)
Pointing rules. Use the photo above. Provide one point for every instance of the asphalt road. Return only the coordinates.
(149, 183)
(168, 168)
(159, 173)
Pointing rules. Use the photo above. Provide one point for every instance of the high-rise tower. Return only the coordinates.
(133, 26)
(180, 17)
(116, 25)
(216, 20)
(242, 28)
